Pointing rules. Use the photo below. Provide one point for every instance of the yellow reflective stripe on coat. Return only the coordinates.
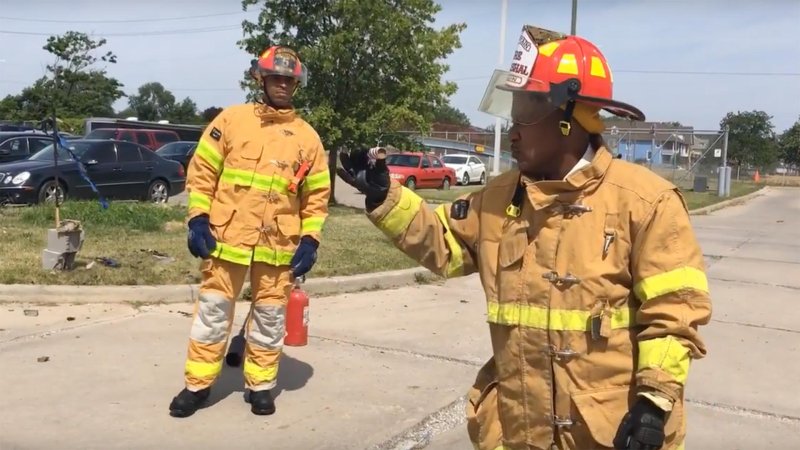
(200, 201)
(541, 318)
(203, 369)
(272, 256)
(244, 256)
(207, 151)
(666, 354)
(396, 221)
(456, 264)
(318, 181)
(232, 254)
(260, 374)
(248, 178)
(312, 224)
(669, 282)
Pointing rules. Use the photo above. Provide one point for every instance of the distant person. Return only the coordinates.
(258, 196)
(595, 283)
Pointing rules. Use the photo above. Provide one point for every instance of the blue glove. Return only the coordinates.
(304, 257)
(201, 242)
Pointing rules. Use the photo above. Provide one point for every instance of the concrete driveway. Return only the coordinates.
(386, 370)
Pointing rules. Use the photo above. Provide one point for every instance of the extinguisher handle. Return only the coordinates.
(299, 280)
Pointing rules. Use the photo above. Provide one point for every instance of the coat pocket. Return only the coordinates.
(483, 415)
(220, 218)
(288, 230)
(512, 247)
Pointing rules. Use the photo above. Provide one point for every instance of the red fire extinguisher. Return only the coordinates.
(297, 316)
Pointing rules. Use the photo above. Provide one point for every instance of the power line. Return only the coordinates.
(163, 19)
(140, 33)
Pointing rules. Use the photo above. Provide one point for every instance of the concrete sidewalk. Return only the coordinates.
(386, 370)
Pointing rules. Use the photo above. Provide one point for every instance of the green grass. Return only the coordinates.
(439, 196)
(133, 234)
(697, 200)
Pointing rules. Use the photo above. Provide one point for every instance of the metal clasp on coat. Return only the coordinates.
(562, 422)
(559, 355)
(554, 278)
(575, 209)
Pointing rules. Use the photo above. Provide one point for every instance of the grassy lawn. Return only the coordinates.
(439, 196)
(149, 243)
(697, 200)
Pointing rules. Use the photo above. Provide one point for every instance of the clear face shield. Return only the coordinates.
(283, 64)
(513, 94)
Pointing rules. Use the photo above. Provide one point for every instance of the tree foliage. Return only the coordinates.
(789, 145)
(374, 67)
(74, 84)
(751, 139)
(447, 114)
(154, 102)
(210, 113)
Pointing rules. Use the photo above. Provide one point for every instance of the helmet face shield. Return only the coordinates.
(283, 62)
(506, 98)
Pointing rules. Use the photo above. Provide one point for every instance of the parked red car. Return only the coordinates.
(152, 139)
(418, 170)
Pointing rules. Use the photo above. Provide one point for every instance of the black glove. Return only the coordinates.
(369, 176)
(201, 242)
(642, 428)
(304, 257)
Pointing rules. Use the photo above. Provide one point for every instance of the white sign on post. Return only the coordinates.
(717, 152)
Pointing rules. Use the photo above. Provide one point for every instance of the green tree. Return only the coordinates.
(751, 139)
(789, 145)
(374, 67)
(74, 86)
(447, 114)
(153, 102)
(184, 112)
(210, 113)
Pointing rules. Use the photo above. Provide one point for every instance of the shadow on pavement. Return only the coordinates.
(293, 374)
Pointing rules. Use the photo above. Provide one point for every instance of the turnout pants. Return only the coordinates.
(213, 319)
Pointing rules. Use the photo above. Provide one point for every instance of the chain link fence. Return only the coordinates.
(688, 158)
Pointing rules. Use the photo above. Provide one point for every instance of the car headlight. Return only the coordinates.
(20, 178)
(7, 180)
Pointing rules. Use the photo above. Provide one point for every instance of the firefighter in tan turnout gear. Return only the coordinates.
(594, 281)
(258, 188)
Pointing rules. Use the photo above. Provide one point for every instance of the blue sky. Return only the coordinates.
(645, 41)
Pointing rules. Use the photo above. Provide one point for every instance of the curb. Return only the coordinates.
(732, 202)
(60, 294)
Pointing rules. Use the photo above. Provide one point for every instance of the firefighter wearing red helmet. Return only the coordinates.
(595, 284)
(258, 197)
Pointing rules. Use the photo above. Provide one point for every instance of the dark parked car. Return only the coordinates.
(18, 145)
(120, 170)
(181, 151)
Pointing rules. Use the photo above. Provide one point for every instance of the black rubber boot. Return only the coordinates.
(261, 403)
(187, 402)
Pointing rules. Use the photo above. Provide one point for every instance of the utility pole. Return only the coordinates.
(724, 184)
(498, 127)
(574, 17)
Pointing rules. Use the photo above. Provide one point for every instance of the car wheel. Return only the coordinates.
(158, 192)
(483, 178)
(411, 183)
(49, 191)
(465, 179)
(446, 184)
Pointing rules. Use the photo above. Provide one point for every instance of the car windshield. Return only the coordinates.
(402, 160)
(46, 154)
(454, 159)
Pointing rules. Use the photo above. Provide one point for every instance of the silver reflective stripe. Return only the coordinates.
(267, 326)
(210, 325)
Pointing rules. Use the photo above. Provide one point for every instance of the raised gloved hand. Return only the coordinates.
(367, 174)
(201, 242)
(304, 257)
(642, 428)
